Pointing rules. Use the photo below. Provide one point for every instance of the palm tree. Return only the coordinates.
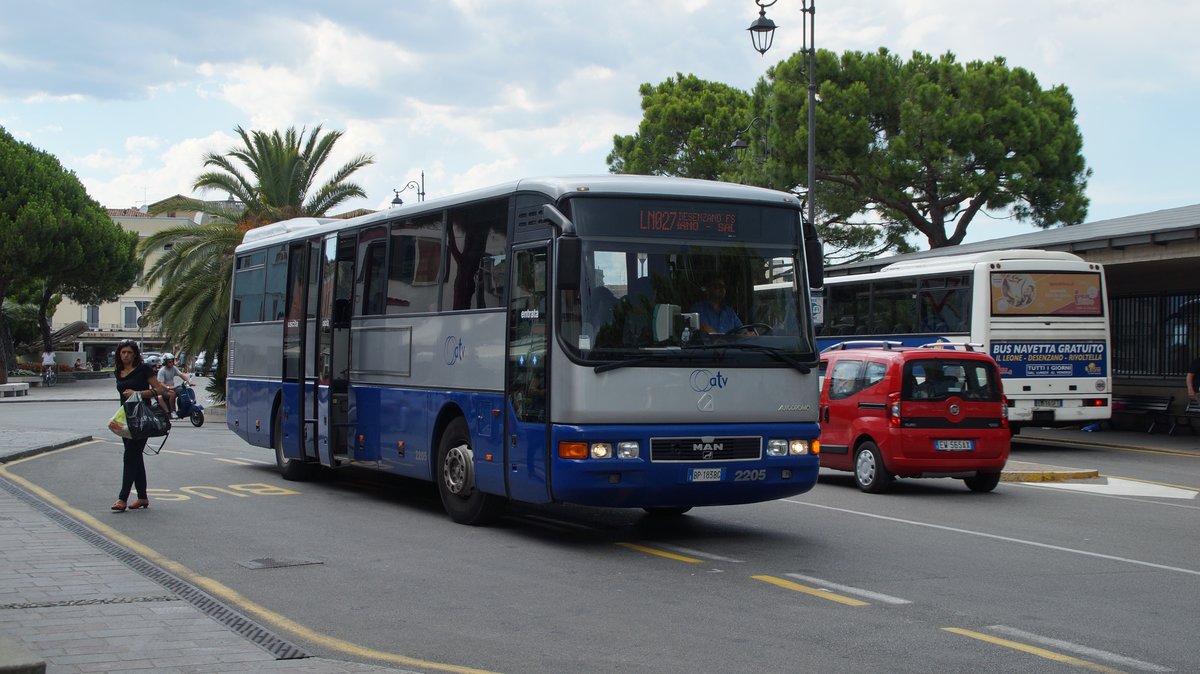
(277, 172)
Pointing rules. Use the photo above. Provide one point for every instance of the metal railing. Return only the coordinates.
(1155, 335)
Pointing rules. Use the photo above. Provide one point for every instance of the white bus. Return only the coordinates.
(1043, 315)
(536, 341)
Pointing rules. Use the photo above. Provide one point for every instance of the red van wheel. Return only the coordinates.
(982, 481)
(869, 472)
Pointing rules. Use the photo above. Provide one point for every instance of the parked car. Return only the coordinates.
(891, 411)
(200, 366)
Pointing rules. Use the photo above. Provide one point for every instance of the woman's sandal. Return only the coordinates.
(140, 503)
(118, 505)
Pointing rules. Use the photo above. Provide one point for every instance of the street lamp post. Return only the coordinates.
(762, 36)
(420, 187)
(740, 143)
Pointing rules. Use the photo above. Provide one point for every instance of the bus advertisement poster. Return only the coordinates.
(1046, 294)
(1050, 359)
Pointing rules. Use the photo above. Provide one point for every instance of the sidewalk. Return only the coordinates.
(80, 603)
(73, 601)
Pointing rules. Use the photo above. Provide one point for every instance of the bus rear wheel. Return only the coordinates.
(456, 479)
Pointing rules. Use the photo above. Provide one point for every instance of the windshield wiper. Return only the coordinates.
(673, 354)
(769, 350)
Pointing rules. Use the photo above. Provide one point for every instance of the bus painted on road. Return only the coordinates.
(1042, 315)
(537, 341)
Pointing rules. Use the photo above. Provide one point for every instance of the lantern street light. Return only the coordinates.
(762, 31)
(740, 143)
(420, 186)
(762, 35)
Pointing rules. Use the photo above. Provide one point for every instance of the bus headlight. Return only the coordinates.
(800, 447)
(602, 450)
(628, 450)
(777, 447)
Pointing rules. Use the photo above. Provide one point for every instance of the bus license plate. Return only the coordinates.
(1047, 403)
(706, 475)
(954, 445)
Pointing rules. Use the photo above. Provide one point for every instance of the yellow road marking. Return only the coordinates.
(180, 452)
(823, 594)
(1151, 450)
(235, 462)
(660, 553)
(227, 594)
(1034, 650)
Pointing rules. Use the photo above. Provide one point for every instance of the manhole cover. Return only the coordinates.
(275, 563)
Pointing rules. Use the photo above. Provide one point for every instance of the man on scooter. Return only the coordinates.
(166, 376)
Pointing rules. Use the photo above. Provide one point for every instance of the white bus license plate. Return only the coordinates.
(706, 475)
(1047, 403)
(954, 445)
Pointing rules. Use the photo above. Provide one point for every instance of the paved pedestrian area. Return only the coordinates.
(79, 603)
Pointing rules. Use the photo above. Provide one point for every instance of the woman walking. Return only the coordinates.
(134, 378)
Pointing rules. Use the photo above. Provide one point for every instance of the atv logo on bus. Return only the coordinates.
(703, 380)
(455, 350)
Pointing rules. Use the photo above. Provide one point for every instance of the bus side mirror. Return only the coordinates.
(569, 255)
(814, 256)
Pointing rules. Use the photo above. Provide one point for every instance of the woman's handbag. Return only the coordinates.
(118, 424)
(145, 420)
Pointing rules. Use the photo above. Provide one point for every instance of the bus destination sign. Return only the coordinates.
(676, 221)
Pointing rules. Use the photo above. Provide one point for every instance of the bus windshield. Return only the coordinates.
(637, 298)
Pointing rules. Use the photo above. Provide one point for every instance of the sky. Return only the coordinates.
(130, 95)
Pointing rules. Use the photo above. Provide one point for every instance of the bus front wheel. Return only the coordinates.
(456, 479)
(291, 469)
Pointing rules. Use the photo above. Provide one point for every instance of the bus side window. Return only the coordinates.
(476, 238)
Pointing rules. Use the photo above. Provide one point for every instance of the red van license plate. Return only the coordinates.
(954, 445)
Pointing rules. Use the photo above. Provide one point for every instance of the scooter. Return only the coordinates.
(186, 405)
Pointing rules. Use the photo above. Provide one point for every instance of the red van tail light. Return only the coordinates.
(893, 409)
(1003, 411)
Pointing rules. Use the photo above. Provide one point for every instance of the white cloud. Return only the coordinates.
(477, 92)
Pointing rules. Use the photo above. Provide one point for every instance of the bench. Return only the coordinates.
(1192, 411)
(14, 389)
(1154, 407)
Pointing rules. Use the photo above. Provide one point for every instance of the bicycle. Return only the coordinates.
(49, 376)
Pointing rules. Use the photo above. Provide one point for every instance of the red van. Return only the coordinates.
(891, 411)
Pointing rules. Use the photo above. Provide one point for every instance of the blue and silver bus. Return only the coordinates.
(1042, 315)
(537, 341)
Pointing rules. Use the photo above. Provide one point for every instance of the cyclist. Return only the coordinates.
(48, 366)
(166, 376)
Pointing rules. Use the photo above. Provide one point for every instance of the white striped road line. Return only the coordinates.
(997, 537)
(877, 596)
(257, 461)
(699, 553)
(1087, 651)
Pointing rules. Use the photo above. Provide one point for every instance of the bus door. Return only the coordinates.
(298, 406)
(332, 353)
(527, 380)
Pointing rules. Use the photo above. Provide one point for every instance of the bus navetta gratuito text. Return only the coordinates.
(537, 341)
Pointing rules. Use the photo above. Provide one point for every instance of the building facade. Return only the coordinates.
(109, 323)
